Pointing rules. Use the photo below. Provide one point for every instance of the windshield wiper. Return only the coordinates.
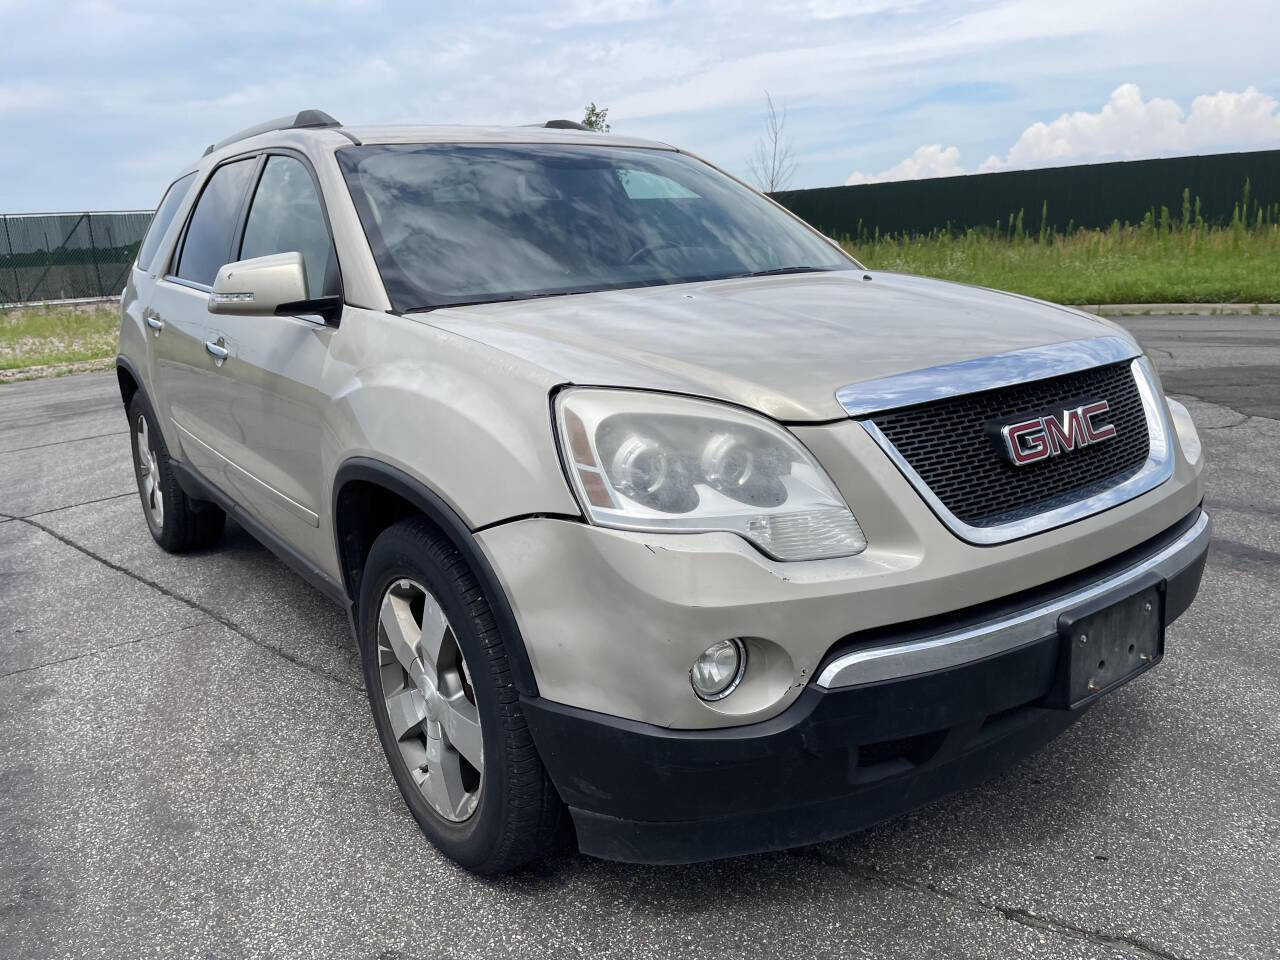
(779, 271)
(507, 299)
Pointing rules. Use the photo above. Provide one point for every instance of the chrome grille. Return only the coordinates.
(947, 443)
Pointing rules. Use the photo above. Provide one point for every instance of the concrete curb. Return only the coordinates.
(1183, 309)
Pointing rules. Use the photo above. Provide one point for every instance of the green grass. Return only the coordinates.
(38, 336)
(1142, 264)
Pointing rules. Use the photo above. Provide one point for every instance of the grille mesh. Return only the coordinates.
(947, 444)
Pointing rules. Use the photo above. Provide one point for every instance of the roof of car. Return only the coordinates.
(317, 128)
(440, 133)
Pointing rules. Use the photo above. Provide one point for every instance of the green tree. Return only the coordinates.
(596, 118)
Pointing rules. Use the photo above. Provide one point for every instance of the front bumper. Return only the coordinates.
(612, 619)
(841, 758)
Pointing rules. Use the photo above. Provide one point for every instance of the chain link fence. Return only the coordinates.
(67, 256)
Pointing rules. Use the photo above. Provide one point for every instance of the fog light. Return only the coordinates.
(719, 669)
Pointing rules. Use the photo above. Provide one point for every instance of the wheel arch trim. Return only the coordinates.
(436, 509)
(128, 366)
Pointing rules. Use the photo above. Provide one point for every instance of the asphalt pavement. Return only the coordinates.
(188, 766)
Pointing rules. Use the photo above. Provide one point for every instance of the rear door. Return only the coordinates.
(265, 406)
(184, 367)
(145, 269)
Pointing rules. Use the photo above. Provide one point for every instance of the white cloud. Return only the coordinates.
(607, 11)
(26, 97)
(1126, 128)
(838, 9)
(926, 162)
(857, 75)
(1129, 128)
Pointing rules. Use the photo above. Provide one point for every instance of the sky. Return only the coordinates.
(101, 103)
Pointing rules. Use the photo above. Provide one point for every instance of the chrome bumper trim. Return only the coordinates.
(982, 373)
(948, 650)
(1157, 469)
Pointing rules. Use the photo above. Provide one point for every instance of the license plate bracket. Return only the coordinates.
(1106, 644)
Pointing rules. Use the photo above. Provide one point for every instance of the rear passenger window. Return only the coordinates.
(286, 217)
(164, 215)
(208, 244)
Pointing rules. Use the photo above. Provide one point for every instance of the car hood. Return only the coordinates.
(781, 345)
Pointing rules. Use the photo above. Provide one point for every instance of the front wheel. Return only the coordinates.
(446, 711)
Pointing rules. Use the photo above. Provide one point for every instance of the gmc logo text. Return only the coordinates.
(1029, 441)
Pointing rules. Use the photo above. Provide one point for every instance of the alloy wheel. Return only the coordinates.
(152, 498)
(429, 700)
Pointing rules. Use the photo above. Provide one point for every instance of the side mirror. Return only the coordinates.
(273, 285)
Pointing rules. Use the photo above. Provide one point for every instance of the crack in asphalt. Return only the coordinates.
(95, 652)
(193, 604)
(1217, 403)
(57, 443)
(1245, 553)
(1241, 506)
(72, 506)
(1017, 915)
(1244, 418)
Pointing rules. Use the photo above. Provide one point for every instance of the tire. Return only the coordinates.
(177, 522)
(501, 811)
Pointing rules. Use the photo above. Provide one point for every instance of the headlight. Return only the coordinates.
(650, 461)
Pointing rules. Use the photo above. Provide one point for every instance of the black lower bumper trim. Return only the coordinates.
(833, 762)
(692, 841)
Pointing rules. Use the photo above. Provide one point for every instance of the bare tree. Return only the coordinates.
(772, 165)
(596, 118)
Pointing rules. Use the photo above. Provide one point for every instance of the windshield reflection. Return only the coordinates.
(454, 224)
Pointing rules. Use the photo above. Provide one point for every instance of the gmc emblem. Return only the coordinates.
(1029, 441)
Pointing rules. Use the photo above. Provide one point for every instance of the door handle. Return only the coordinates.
(154, 322)
(216, 349)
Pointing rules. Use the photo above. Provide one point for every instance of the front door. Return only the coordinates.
(266, 408)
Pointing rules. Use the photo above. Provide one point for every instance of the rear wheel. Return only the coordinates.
(445, 708)
(177, 522)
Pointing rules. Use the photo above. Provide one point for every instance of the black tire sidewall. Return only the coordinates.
(397, 556)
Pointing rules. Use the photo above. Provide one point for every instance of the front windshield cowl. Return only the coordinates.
(464, 224)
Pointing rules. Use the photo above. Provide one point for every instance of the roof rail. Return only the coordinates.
(562, 125)
(304, 119)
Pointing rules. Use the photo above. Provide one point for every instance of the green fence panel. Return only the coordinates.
(1090, 195)
(67, 256)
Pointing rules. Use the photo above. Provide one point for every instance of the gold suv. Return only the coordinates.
(661, 523)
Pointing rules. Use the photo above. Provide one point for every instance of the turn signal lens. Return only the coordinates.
(1185, 427)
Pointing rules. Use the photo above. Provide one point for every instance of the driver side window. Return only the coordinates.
(286, 216)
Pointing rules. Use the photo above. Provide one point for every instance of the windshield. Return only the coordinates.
(454, 224)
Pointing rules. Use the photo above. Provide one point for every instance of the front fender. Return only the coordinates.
(463, 419)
